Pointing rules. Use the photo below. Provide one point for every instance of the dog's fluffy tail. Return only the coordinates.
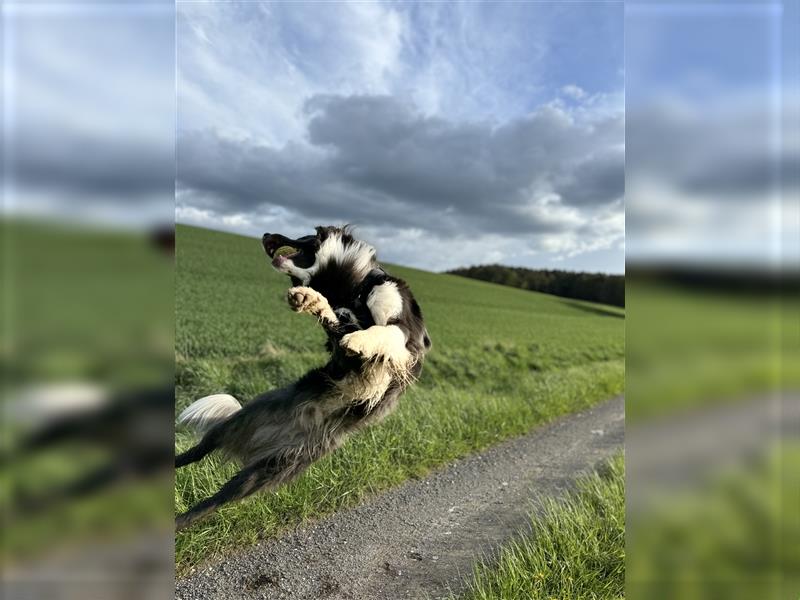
(203, 414)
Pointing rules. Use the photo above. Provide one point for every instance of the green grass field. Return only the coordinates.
(575, 548)
(79, 304)
(688, 348)
(503, 361)
(733, 535)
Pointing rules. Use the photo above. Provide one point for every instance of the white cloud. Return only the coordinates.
(573, 91)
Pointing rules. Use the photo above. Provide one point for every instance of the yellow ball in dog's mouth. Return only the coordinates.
(285, 251)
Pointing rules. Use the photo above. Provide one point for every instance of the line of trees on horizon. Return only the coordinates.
(594, 287)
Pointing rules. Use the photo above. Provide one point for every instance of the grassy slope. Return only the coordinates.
(80, 305)
(504, 360)
(690, 348)
(574, 549)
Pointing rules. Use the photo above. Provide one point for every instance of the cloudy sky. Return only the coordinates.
(89, 111)
(450, 134)
(713, 133)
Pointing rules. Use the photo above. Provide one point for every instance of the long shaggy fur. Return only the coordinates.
(376, 339)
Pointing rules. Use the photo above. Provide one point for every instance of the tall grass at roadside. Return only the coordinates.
(575, 547)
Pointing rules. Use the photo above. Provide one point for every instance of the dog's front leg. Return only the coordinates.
(308, 300)
(383, 342)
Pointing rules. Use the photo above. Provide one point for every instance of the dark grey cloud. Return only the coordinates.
(376, 159)
(728, 151)
(90, 113)
(713, 180)
(595, 180)
(90, 165)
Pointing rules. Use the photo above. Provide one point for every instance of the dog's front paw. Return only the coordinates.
(308, 300)
(300, 298)
(356, 343)
(376, 342)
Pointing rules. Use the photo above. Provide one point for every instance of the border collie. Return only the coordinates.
(376, 339)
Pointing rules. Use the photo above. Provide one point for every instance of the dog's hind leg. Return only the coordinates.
(262, 474)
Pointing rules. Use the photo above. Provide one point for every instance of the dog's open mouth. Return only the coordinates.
(278, 254)
(285, 251)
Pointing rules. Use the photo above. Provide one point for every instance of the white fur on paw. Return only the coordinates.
(308, 300)
(304, 299)
(387, 342)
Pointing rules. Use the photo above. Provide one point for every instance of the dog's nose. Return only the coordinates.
(265, 241)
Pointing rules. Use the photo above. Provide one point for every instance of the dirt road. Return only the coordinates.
(421, 539)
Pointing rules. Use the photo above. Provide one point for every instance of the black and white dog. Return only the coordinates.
(376, 338)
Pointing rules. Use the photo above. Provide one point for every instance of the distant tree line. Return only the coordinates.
(728, 279)
(595, 287)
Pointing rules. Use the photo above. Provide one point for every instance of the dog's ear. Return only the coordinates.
(348, 231)
(420, 341)
(426, 339)
(322, 232)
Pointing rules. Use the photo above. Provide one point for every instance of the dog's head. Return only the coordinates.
(306, 256)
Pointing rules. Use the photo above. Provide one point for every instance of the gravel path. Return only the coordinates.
(421, 539)
(686, 451)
